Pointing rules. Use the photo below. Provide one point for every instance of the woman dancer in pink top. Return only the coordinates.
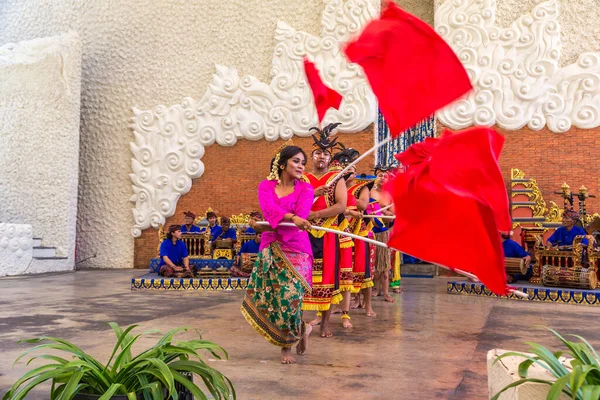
(283, 270)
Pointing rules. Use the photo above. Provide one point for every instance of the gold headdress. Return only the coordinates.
(274, 175)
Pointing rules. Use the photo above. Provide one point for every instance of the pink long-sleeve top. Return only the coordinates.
(298, 202)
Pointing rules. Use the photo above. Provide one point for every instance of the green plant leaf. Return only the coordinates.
(590, 392)
(547, 357)
(590, 348)
(111, 391)
(524, 367)
(191, 386)
(167, 375)
(69, 389)
(558, 387)
(124, 355)
(577, 377)
(121, 337)
(43, 377)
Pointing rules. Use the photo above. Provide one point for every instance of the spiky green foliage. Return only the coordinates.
(150, 373)
(580, 382)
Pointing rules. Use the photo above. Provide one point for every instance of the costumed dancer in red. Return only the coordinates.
(330, 202)
(385, 257)
(362, 273)
(346, 279)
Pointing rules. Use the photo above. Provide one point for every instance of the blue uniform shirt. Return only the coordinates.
(194, 229)
(230, 234)
(513, 249)
(250, 231)
(176, 252)
(215, 231)
(562, 237)
(249, 247)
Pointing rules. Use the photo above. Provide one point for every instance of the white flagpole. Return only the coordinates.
(378, 243)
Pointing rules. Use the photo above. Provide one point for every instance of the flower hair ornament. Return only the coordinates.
(274, 175)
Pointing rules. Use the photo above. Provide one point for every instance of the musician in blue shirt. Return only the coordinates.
(215, 230)
(513, 249)
(565, 234)
(188, 223)
(249, 247)
(256, 216)
(174, 254)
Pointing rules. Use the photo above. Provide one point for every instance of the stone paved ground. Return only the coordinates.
(427, 345)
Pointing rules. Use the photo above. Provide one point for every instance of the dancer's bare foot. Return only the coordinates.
(286, 356)
(316, 321)
(303, 343)
(388, 298)
(355, 304)
(361, 301)
(397, 290)
(326, 333)
(370, 312)
(346, 320)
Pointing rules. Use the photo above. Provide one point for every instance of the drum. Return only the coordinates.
(223, 244)
(569, 277)
(515, 266)
(247, 261)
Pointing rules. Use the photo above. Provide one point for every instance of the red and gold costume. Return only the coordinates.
(325, 290)
(361, 269)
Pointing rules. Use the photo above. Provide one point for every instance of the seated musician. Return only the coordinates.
(563, 236)
(513, 249)
(174, 258)
(250, 247)
(226, 233)
(188, 223)
(215, 229)
(256, 216)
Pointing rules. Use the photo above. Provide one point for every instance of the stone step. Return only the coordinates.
(37, 242)
(44, 252)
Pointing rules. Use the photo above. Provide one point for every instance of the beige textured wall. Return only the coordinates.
(39, 141)
(579, 23)
(144, 53)
(421, 8)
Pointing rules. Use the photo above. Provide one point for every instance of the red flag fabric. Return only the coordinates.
(451, 203)
(411, 69)
(325, 98)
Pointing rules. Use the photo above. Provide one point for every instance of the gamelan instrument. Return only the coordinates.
(247, 261)
(515, 266)
(569, 277)
(223, 244)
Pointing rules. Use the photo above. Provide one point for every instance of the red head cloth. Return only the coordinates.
(574, 215)
(325, 98)
(189, 214)
(451, 202)
(411, 69)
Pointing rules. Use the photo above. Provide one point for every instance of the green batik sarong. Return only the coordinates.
(273, 301)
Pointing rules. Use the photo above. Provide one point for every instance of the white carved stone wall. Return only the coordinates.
(16, 248)
(39, 141)
(145, 53)
(515, 70)
(169, 141)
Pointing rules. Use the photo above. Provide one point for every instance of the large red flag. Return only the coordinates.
(325, 98)
(411, 69)
(451, 203)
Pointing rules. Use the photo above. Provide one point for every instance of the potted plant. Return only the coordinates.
(581, 381)
(162, 371)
